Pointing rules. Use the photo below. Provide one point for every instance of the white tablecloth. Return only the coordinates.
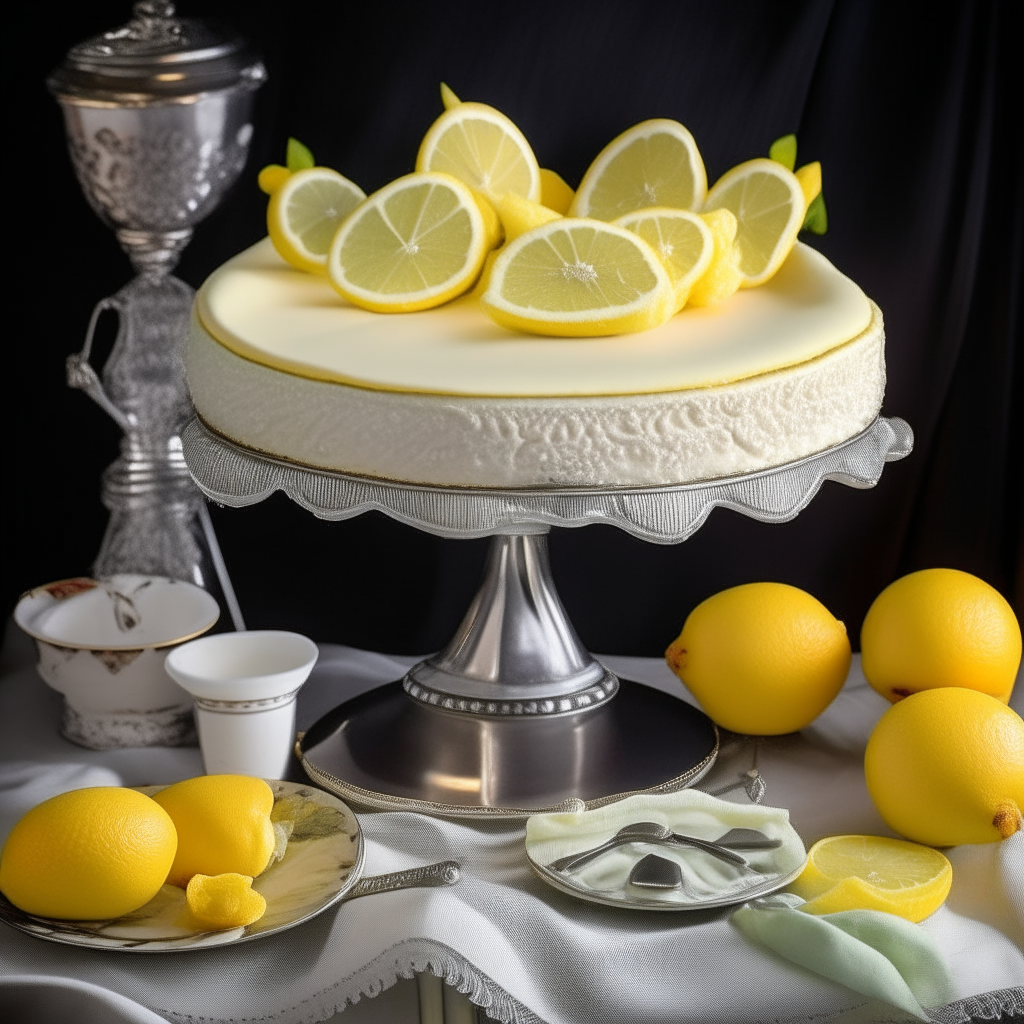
(517, 947)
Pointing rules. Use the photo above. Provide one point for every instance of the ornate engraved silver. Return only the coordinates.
(445, 872)
(158, 120)
(591, 697)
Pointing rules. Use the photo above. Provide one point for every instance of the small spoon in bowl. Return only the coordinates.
(654, 872)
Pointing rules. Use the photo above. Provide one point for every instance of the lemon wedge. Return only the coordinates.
(654, 163)
(304, 213)
(769, 205)
(809, 177)
(874, 873)
(682, 240)
(483, 149)
(722, 277)
(519, 215)
(578, 278)
(555, 192)
(414, 244)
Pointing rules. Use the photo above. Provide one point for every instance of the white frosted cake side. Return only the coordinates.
(277, 362)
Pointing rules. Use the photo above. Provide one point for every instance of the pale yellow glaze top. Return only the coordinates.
(262, 309)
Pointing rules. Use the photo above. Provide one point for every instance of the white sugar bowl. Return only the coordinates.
(103, 643)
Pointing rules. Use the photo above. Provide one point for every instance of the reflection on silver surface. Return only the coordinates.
(515, 653)
(384, 750)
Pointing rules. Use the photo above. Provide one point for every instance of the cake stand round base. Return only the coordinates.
(385, 750)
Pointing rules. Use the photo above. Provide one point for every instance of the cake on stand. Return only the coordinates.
(514, 716)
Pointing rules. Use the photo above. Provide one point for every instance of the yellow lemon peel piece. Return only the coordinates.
(226, 900)
(722, 277)
(519, 215)
(555, 192)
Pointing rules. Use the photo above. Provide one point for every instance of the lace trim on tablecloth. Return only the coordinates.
(417, 956)
(1003, 1004)
(403, 960)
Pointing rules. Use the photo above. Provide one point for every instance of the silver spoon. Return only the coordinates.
(445, 872)
(645, 832)
(654, 872)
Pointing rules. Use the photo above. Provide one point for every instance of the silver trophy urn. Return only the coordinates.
(158, 120)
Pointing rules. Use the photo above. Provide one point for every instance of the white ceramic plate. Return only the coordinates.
(322, 862)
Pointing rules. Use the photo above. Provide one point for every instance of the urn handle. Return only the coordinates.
(82, 375)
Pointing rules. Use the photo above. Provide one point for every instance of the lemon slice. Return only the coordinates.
(769, 206)
(304, 213)
(578, 278)
(874, 873)
(654, 163)
(682, 240)
(414, 244)
(483, 149)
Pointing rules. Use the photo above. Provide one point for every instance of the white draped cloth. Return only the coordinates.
(518, 948)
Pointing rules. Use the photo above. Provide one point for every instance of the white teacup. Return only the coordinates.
(245, 686)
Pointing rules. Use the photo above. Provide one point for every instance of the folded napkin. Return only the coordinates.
(877, 954)
(692, 813)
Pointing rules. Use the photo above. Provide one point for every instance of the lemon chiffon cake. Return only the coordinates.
(279, 363)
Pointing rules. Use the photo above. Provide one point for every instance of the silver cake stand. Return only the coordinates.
(514, 716)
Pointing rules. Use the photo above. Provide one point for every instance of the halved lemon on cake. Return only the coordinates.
(414, 244)
(682, 239)
(654, 163)
(579, 278)
(769, 205)
(305, 210)
(482, 148)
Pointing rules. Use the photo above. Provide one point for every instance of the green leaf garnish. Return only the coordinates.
(783, 151)
(816, 220)
(299, 157)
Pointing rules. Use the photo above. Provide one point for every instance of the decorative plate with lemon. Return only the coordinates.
(311, 840)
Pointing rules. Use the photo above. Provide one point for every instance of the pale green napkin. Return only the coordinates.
(877, 954)
(550, 836)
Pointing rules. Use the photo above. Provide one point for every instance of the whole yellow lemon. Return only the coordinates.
(88, 855)
(946, 766)
(223, 824)
(940, 627)
(762, 658)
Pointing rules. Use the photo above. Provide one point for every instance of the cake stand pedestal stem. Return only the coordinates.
(516, 651)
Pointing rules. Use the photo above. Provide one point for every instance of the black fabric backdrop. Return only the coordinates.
(908, 107)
